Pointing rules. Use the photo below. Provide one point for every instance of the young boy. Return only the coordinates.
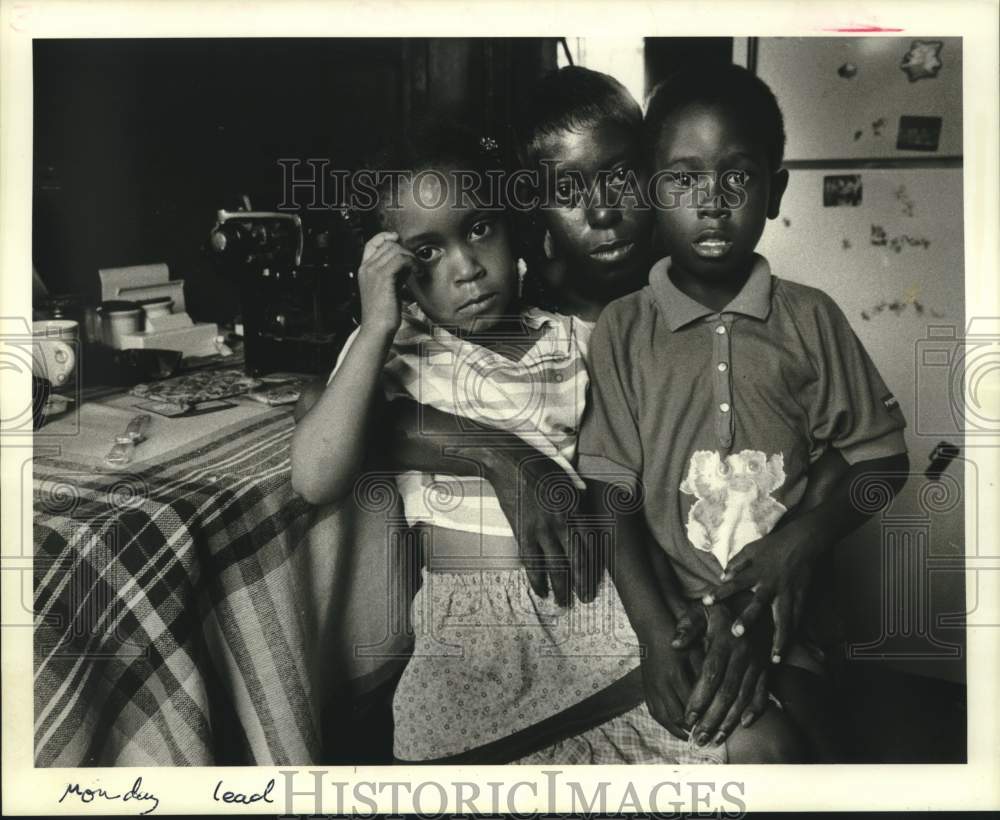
(716, 387)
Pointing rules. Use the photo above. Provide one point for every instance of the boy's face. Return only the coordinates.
(606, 249)
(711, 230)
(467, 277)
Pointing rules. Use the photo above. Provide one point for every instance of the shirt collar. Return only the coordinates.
(680, 309)
(556, 341)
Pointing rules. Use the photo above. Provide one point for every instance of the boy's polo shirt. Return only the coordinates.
(717, 416)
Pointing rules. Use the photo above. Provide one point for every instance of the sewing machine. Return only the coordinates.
(163, 322)
(294, 285)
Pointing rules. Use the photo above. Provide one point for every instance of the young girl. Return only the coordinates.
(498, 671)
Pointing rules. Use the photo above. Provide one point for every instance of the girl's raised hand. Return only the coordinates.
(384, 266)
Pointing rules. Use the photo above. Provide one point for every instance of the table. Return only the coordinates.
(191, 609)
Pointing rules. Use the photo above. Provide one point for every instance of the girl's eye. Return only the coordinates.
(481, 229)
(426, 253)
(737, 177)
(684, 179)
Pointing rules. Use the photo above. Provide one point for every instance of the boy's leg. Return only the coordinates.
(772, 738)
(811, 703)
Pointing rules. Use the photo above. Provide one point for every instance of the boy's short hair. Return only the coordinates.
(732, 86)
(571, 99)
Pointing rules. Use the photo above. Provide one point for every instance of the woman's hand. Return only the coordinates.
(731, 687)
(384, 266)
(666, 682)
(537, 497)
(778, 568)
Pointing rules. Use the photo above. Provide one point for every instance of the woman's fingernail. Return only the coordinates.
(719, 738)
(746, 720)
(775, 658)
(691, 718)
(738, 630)
(708, 600)
(702, 739)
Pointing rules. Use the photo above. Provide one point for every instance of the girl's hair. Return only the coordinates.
(440, 145)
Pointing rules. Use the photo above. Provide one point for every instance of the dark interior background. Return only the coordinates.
(138, 142)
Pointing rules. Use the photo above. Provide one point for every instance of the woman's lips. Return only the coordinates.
(613, 251)
(711, 247)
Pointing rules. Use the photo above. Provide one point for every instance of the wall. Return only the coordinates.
(893, 261)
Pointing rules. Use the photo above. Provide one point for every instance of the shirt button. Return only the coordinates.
(721, 330)
(723, 367)
(724, 407)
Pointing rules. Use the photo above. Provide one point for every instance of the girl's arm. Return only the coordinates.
(330, 441)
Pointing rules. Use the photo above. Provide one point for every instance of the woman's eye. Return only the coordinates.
(684, 179)
(737, 177)
(753, 467)
(481, 229)
(565, 191)
(620, 174)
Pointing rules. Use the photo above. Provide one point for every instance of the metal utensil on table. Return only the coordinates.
(124, 447)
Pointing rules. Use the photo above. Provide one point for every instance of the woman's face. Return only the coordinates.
(601, 232)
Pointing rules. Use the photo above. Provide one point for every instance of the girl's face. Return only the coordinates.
(606, 248)
(468, 278)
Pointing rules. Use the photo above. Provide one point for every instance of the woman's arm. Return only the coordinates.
(423, 438)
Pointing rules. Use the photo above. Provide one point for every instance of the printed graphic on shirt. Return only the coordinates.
(734, 505)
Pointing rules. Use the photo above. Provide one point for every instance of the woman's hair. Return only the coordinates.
(434, 144)
(575, 99)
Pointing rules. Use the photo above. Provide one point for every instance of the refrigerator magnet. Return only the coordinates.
(918, 133)
(841, 189)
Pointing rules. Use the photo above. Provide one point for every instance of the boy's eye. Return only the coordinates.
(737, 177)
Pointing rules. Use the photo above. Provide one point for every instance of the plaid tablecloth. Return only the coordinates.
(195, 611)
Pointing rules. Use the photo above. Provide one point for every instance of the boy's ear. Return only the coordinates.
(779, 181)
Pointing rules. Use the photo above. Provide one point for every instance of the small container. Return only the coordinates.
(119, 318)
(160, 306)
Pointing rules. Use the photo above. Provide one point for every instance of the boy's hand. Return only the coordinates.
(384, 265)
(778, 568)
(732, 682)
(666, 682)
(537, 498)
